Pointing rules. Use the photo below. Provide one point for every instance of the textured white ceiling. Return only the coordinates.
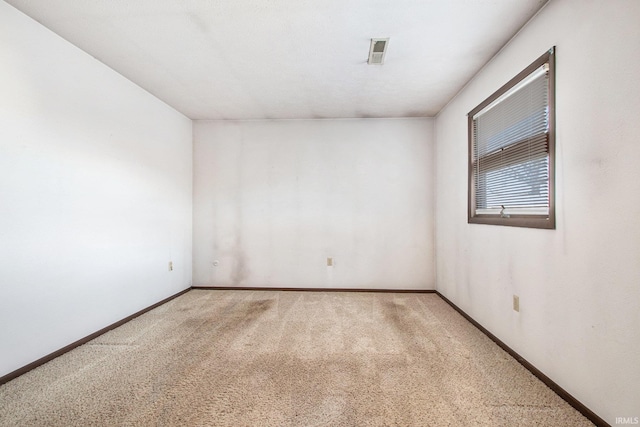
(256, 59)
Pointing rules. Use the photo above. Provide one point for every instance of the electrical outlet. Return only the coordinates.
(329, 261)
(516, 303)
(170, 265)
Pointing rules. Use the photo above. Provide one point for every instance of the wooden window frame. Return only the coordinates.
(529, 221)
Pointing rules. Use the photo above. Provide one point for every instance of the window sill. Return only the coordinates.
(526, 221)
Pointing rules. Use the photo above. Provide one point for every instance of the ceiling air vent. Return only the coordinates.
(377, 51)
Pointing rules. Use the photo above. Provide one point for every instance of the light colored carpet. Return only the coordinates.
(267, 358)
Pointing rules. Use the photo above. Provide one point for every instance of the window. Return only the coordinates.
(511, 151)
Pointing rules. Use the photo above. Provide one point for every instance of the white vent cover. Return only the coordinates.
(377, 51)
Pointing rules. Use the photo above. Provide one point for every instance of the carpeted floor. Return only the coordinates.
(267, 358)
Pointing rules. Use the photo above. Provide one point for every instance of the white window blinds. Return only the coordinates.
(510, 149)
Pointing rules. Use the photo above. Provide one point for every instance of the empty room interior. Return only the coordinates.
(311, 213)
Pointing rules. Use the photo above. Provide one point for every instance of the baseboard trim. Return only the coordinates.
(259, 288)
(575, 403)
(12, 375)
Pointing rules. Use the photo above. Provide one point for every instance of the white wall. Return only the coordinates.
(95, 194)
(274, 199)
(579, 285)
